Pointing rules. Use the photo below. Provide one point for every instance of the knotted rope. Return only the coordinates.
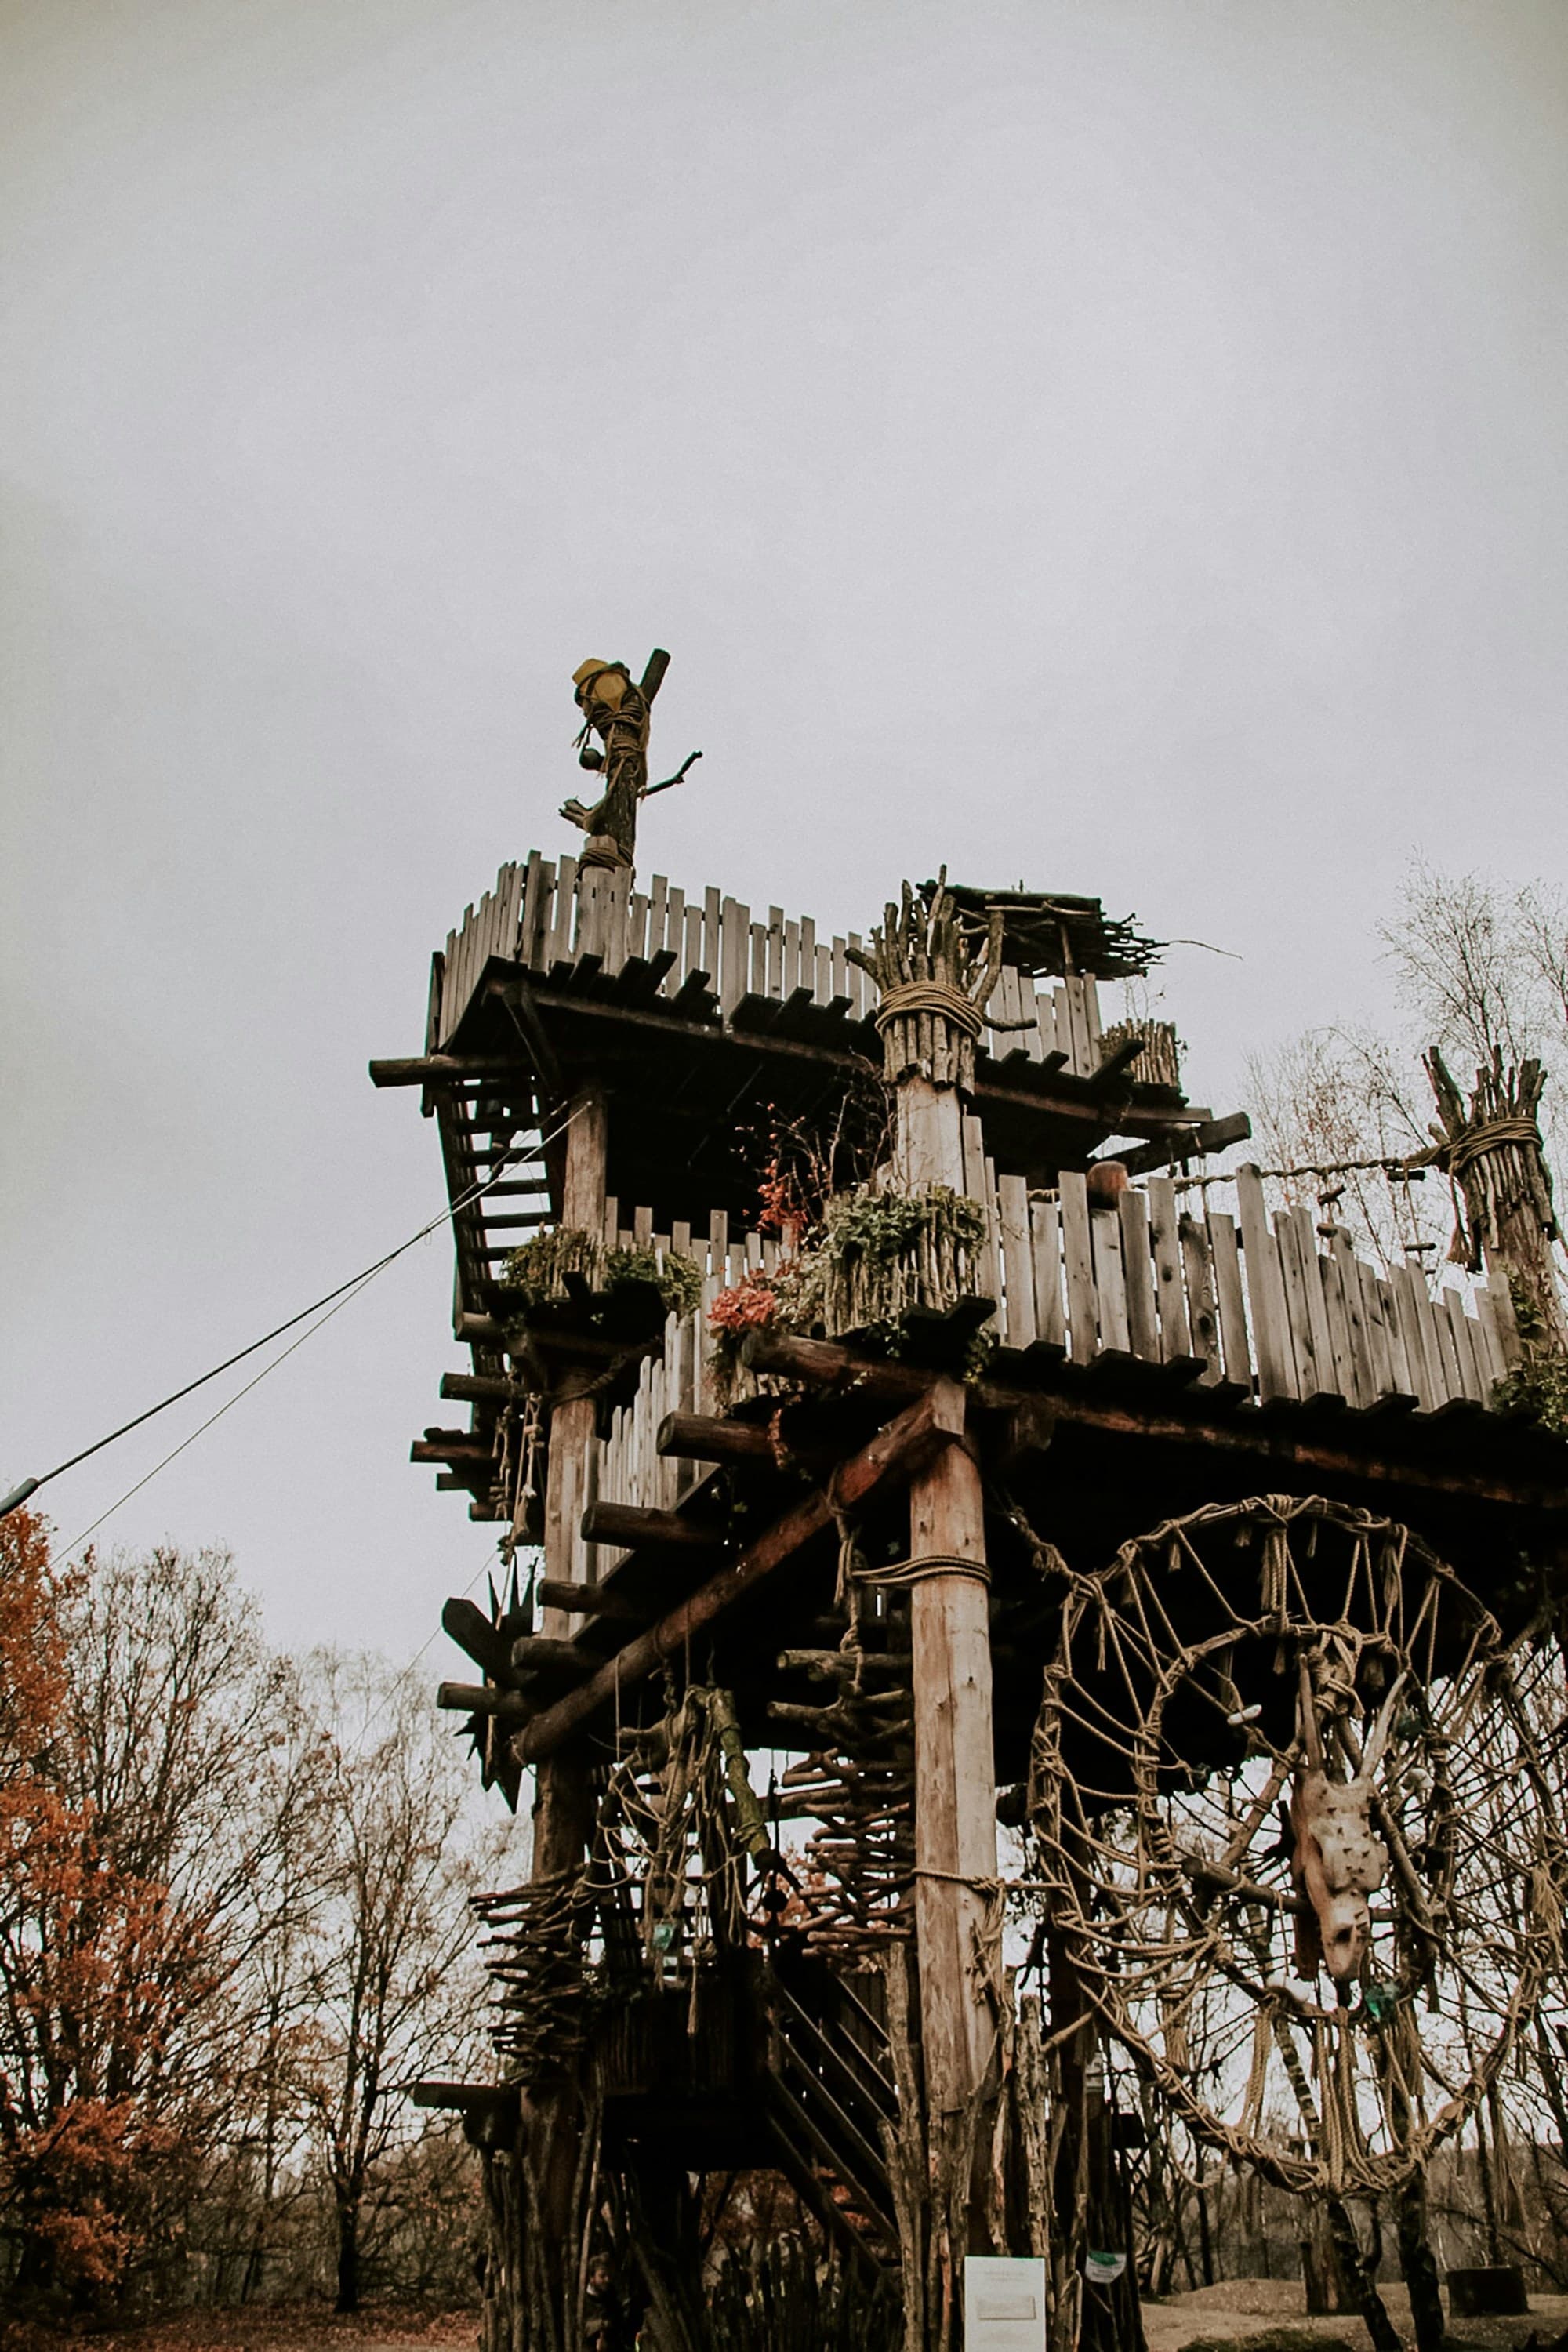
(915, 997)
(901, 1573)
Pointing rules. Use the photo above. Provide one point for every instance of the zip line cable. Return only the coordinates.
(334, 1299)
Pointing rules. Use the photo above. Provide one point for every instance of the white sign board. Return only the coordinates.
(1004, 2303)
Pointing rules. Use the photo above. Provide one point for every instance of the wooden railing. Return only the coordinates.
(1261, 1305)
(543, 915)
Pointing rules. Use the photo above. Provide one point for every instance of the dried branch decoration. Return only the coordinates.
(936, 969)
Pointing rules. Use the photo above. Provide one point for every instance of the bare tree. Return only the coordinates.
(398, 1990)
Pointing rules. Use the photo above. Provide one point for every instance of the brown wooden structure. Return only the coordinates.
(806, 1587)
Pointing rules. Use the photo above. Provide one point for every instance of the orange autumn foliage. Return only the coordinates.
(93, 1966)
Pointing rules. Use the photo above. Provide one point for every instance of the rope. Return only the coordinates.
(914, 996)
(901, 1573)
(1477, 1142)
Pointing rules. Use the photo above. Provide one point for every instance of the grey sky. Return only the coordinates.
(1120, 446)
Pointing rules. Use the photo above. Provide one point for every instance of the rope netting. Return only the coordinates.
(1292, 1805)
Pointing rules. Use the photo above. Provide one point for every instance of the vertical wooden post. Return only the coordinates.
(562, 1809)
(955, 1774)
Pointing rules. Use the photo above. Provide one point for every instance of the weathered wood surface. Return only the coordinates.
(905, 1446)
(538, 917)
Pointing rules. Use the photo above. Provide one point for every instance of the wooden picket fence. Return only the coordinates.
(543, 916)
(1262, 1305)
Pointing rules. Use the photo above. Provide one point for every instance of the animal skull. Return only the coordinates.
(1338, 1863)
(1338, 1859)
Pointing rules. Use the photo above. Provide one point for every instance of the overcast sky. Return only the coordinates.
(1117, 446)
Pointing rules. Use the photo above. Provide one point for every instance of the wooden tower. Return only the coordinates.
(834, 1316)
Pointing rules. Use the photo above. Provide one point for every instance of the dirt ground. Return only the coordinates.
(268, 2328)
(1271, 2315)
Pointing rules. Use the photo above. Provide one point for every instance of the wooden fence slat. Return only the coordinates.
(1138, 1270)
(1045, 1249)
(1380, 1355)
(1175, 1333)
(758, 981)
(775, 951)
(1462, 1330)
(991, 1260)
(1296, 1313)
(1017, 1263)
(1447, 1355)
(1321, 1336)
(1342, 1253)
(1110, 1279)
(1079, 1254)
(1394, 1329)
(1203, 1307)
(1230, 1299)
(1491, 1340)
(1501, 1297)
(1264, 1290)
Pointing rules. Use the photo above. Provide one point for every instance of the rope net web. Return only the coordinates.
(1292, 1810)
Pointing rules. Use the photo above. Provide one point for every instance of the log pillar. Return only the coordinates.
(955, 1794)
(563, 1810)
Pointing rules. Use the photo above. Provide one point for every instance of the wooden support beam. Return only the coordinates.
(898, 1451)
(466, 2098)
(481, 1388)
(543, 1653)
(701, 1437)
(446, 1069)
(629, 1525)
(467, 1454)
(465, 1623)
(482, 1698)
(1266, 1435)
(589, 1600)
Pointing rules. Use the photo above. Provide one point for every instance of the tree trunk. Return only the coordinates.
(348, 2253)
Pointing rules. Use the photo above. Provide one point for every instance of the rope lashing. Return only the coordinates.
(901, 1573)
(1477, 1142)
(915, 997)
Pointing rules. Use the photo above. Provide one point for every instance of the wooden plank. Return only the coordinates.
(775, 951)
(1419, 1301)
(858, 983)
(1046, 1011)
(1230, 1300)
(1137, 1272)
(1322, 1331)
(712, 946)
(840, 969)
(1400, 1282)
(1462, 1330)
(1264, 1290)
(1491, 1340)
(991, 1252)
(1083, 1060)
(1175, 1332)
(790, 957)
(1314, 1377)
(1341, 1253)
(1380, 1355)
(1110, 1280)
(1203, 1304)
(658, 913)
(905, 1446)
(533, 890)
(1092, 1017)
(1045, 1249)
(1394, 1331)
(734, 949)
(675, 938)
(695, 961)
(1017, 1261)
(1453, 1381)
(1507, 1321)
(822, 976)
(1077, 1242)
(759, 971)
